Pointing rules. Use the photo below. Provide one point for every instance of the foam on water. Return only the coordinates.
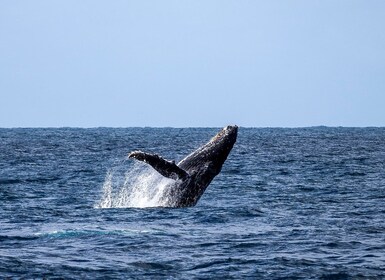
(73, 233)
(139, 187)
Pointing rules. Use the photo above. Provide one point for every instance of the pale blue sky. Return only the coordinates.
(192, 63)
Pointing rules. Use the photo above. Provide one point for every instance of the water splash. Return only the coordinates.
(139, 187)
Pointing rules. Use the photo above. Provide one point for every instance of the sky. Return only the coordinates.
(198, 63)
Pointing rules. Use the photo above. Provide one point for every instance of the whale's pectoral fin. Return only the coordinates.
(166, 168)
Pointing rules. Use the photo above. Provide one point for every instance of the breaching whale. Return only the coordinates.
(195, 172)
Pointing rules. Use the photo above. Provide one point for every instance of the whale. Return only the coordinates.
(192, 175)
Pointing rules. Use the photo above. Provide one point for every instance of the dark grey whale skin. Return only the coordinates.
(195, 172)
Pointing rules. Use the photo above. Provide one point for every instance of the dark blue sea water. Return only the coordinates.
(303, 203)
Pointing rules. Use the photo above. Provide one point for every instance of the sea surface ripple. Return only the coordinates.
(305, 203)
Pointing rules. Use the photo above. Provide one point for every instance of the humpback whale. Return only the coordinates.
(194, 173)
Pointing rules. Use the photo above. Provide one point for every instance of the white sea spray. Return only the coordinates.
(139, 187)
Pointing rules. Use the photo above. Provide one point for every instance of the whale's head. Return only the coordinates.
(210, 157)
(219, 147)
(226, 136)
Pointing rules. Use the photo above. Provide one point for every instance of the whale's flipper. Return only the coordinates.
(166, 168)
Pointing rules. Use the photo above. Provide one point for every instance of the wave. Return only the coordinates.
(78, 233)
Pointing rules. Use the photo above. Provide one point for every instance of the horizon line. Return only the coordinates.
(183, 127)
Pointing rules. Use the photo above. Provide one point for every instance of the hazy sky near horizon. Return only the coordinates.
(198, 63)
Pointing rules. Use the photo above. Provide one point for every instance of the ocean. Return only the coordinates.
(295, 203)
